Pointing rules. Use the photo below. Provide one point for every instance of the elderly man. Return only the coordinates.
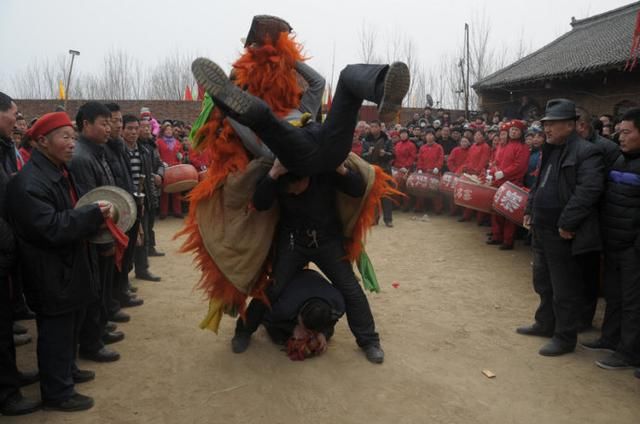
(59, 266)
(562, 212)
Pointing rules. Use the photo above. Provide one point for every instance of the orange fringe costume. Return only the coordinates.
(267, 72)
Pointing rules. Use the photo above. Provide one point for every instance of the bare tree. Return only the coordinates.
(170, 77)
(367, 38)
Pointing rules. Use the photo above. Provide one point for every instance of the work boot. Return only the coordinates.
(147, 276)
(111, 337)
(241, 106)
(396, 85)
(82, 376)
(120, 317)
(240, 342)
(101, 355)
(16, 404)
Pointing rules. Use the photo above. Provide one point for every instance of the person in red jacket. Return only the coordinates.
(499, 141)
(511, 165)
(171, 152)
(430, 160)
(476, 164)
(455, 161)
(406, 153)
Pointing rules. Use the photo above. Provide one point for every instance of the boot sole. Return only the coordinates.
(609, 367)
(396, 86)
(215, 82)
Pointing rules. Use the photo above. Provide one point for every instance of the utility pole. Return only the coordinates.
(73, 54)
(467, 60)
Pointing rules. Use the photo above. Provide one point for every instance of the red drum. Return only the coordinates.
(178, 178)
(472, 195)
(400, 178)
(423, 185)
(510, 201)
(448, 183)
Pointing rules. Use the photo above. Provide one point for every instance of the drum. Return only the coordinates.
(510, 201)
(472, 195)
(178, 178)
(423, 185)
(448, 183)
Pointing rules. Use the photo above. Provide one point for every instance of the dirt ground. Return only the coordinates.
(452, 315)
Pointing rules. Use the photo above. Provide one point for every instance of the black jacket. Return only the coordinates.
(146, 157)
(60, 269)
(87, 167)
(609, 150)
(382, 142)
(157, 166)
(621, 206)
(7, 242)
(119, 163)
(580, 185)
(8, 156)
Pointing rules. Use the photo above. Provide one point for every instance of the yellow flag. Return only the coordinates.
(61, 92)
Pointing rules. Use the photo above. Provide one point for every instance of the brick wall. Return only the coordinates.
(186, 111)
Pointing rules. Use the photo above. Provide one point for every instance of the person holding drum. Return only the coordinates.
(404, 162)
(430, 160)
(511, 165)
(476, 164)
(171, 152)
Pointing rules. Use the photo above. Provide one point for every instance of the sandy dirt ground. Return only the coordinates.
(452, 315)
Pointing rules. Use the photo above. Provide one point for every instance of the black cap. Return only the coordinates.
(560, 110)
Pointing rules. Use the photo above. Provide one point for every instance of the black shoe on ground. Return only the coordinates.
(102, 355)
(396, 86)
(131, 302)
(112, 337)
(21, 339)
(374, 353)
(493, 242)
(240, 343)
(555, 348)
(77, 402)
(598, 345)
(19, 328)
(534, 330)
(16, 404)
(614, 362)
(389, 224)
(506, 247)
(110, 326)
(82, 376)
(120, 317)
(28, 377)
(147, 276)
(154, 253)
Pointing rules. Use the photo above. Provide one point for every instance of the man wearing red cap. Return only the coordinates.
(512, 161)
(61, 278)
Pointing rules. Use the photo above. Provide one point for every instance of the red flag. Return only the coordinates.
(635, 47)
(200, 93)
(187, 94)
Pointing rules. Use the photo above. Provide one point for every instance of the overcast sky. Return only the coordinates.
(152, 29)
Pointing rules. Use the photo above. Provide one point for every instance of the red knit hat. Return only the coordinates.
(519, 124)
(47, 123)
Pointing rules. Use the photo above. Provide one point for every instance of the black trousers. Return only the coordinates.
(557, 279)
(329, 257)
(57, 346)
(317, 147)
(621, 324)
(121, 282)
(141, 253)
(98, 312)
(9, 379)
(387, 210)
(590, 266)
